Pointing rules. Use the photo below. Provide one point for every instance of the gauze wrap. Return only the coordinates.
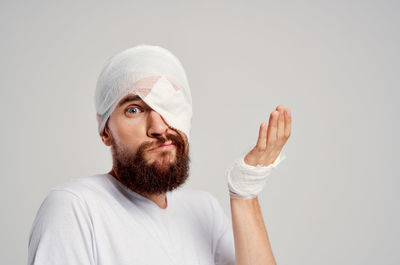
(245, 181)
(154, 74)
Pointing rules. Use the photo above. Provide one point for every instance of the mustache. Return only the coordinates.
(176, 140)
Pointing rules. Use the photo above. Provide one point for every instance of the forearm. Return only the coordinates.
(246, 178)
(252, 244)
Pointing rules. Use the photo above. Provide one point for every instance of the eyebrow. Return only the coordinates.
(129, 99)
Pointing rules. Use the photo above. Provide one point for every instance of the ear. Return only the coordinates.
(105, 135)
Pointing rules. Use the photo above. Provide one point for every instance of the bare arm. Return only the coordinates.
(252, 245)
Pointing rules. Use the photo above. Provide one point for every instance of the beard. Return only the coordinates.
(136, 173)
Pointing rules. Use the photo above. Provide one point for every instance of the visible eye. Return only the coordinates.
(133, 110)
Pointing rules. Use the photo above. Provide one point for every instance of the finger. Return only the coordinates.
(272, 128)
(262, 135)
(288, 122)
(281, 125)
(279, 107)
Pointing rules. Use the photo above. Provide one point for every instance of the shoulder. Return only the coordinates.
(83, 187)
(71, 197)
(82, 184)
(67, 203)
(62, 225)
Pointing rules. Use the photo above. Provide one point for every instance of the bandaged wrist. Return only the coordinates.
(245, 181)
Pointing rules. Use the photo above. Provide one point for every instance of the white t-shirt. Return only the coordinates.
(97, 220)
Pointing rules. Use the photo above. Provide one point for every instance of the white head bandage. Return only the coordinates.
(154, 74)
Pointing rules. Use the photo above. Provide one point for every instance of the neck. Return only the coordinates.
(159, 199)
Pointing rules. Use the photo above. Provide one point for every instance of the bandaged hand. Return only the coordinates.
(248, 175)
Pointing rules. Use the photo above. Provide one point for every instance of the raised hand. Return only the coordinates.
(271, 139)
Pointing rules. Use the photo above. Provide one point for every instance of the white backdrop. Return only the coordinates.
(334, 200)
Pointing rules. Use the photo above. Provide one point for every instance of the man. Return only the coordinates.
(136, 213)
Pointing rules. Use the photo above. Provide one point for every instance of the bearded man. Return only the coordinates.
(139, 213)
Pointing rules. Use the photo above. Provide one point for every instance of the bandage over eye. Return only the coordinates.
(155, 75)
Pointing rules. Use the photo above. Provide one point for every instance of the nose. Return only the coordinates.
(157, 126)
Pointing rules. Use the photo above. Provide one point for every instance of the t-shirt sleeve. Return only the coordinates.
(61, 232)
(223, 236)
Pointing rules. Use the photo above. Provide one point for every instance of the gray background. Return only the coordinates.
(334, 200)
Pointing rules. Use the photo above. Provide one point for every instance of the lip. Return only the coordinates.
(165, 146)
